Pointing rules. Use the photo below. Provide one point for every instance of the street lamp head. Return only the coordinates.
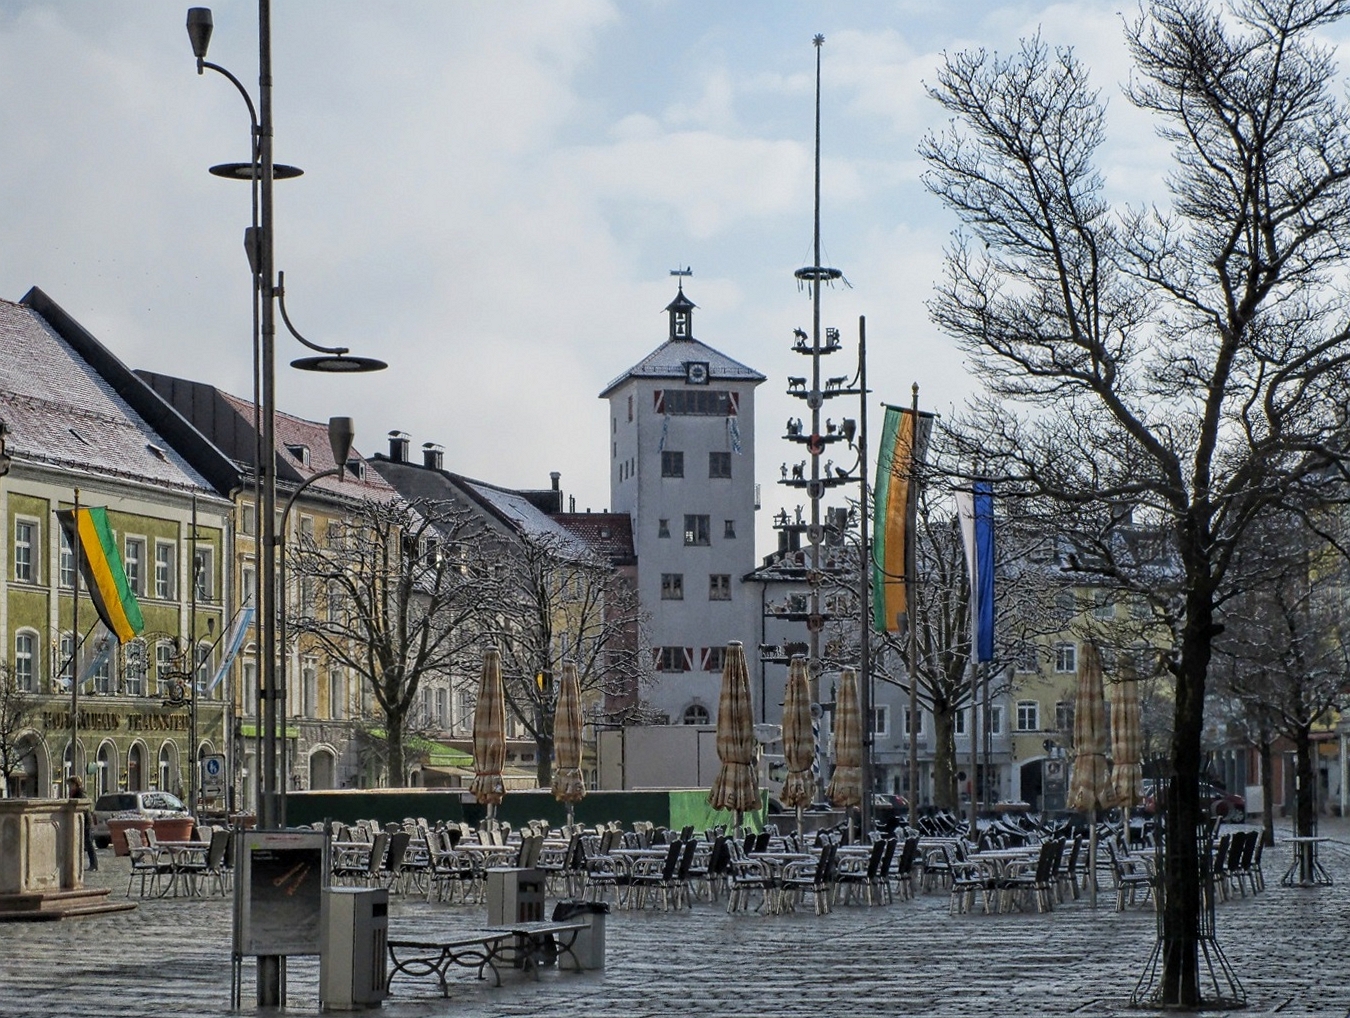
(199, 27)
(339, 364)
(341, 433)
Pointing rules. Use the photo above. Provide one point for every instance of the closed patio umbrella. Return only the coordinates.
(489, 734)
(737, 785)
(1091, 789)
(568, 786)
(799, 740)
(846, 783)
(1127, 773)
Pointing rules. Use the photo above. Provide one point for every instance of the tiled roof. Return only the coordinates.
(60, 411)
(296, 431)
(610, 534)
(526, 518)
(668, 361)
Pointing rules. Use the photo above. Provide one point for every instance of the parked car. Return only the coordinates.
(1217, 802)
(133, 805)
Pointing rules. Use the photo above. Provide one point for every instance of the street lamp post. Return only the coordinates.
(258, 242)
(341, 434)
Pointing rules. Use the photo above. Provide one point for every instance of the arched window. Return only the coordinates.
(136, 768)
(25, 671)
(696, 714)
(168, 769)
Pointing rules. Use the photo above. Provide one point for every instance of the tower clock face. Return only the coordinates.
(696, 373)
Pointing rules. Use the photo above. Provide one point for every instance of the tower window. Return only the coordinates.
(672, 464)
(729, 529)
(663, 528)
(696, 530)
(719, 464)
(672, 586)
(719, 587)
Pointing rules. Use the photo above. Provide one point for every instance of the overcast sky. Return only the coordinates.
(495, 192)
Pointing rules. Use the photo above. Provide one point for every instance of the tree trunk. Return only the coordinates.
(944, 762)
(1181, 860)
(543, 767)
(395, 773)
(1267, 791)
(1305, 797)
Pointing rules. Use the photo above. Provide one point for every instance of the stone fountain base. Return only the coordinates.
(42, 862)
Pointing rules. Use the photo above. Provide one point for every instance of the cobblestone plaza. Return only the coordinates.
(171, 956)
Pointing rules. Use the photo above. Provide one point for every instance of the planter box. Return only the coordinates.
(174, 828)
(117, 830)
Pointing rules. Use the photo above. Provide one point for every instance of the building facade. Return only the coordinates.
(77, 419)
(682, 467)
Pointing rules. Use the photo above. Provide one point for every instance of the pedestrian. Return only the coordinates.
(77, 792)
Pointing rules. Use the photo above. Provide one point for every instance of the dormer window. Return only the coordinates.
(357, 468)
(300, 453)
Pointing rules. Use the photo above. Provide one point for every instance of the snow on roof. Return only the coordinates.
(59, 410)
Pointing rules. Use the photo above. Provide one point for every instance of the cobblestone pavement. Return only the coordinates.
(171, 956)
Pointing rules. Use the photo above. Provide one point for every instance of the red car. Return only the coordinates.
(1218, 802)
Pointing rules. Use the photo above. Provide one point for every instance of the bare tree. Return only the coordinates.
(18, 714)
(1186, 363)
(404, 590)
(1282, 657)
(562, 600)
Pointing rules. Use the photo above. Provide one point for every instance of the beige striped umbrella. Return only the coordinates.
(568, 786)
(737, 784)
(846, 782)
(1091, 789)
(799, 741)
(1127, 773)
(489, 733)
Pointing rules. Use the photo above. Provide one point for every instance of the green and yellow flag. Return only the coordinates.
(101, 567)
(904, 444)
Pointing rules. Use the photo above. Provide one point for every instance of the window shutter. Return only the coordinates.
(688, 659)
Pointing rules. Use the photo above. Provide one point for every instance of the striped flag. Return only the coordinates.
(904, 444)
(233, 643)
(101, 567)
(976, 511)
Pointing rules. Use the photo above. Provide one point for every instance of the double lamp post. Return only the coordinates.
(262, 172)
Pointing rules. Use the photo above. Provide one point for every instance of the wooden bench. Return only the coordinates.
(427, 957)
(530, 941)
(525, 945)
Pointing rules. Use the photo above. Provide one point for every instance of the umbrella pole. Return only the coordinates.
(1092, 857)
(800, 833)
(571, 815)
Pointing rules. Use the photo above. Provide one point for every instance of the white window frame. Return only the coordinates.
(993, 719)
(1066, 657)
(65, 560)
(1028, 715)
(881, 720)
(25, 651)
(203, 573)
(166, 572)
(134, 565)
(26, 560)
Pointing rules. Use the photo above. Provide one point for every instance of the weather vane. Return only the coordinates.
(686, 271)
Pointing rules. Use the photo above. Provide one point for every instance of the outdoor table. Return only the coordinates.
(182, 854)
(1306, 870)
(1003, 859)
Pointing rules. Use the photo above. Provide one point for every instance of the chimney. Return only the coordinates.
(398, 447)
(433, 456)
(555, 477)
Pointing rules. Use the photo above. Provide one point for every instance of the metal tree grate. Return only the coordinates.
(1224, 991)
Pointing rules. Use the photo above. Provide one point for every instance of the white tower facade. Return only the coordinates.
(682, 465)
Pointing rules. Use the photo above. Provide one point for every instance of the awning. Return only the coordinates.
(438, 754)
(514, 780)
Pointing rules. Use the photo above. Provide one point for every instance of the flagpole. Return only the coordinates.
(76, 641)
(192, 665)
(864, 587)
(911, 512)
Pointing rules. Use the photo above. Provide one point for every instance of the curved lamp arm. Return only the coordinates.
(335, 350)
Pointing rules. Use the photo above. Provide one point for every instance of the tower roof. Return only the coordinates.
(670, 358)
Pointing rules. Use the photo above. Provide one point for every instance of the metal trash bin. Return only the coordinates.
(514, 895)
(353, 929)
(588, 949)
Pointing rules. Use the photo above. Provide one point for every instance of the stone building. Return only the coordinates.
(682, 467)
(75, 417)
